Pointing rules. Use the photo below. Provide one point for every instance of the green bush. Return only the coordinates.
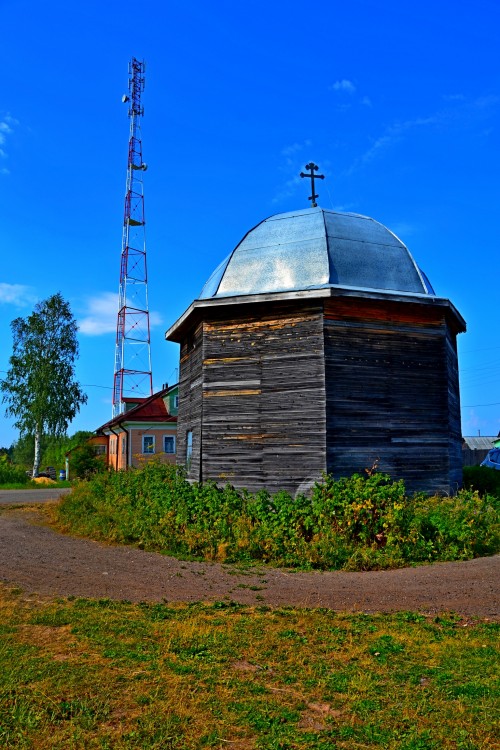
(356, 523)
(483, 479)
(11, 474)
(456, 528)
(84, 462)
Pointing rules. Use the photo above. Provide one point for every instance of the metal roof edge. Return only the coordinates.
(317, 292)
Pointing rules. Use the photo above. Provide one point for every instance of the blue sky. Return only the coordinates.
(398, 103)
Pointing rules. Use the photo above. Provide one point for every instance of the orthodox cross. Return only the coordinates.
(314, 168)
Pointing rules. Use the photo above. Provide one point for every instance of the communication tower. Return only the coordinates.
(133, 375)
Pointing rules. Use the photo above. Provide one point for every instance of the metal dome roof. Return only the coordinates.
(315, 248)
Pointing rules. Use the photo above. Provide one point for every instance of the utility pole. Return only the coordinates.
(133, 375)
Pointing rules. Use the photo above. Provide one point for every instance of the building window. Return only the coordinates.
(100, 450)
(169, 444)
(148, 444)
(112, 446)
(176, 402)
(124, 443)
(189, 448)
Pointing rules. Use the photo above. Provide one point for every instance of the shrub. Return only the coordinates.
(354, 523)
(11, 474)
(456, 528)
(84, 462)
(483, 479)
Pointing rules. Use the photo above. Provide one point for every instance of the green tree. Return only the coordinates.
(23, 449)
(56, 449)
(84, 462)
(40, 389)
(79, 438)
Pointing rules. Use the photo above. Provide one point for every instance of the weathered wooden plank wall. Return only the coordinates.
(277, 392)
(263, 397)
(190, 403)
(454, 415)
(387, 391)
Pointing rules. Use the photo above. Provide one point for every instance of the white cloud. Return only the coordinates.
(295, 147)
(460, 113)
(16, 294)
(289, 150)
(101, 315)
(392, 135)
(343, 85)
(6, 128)
(287, 190)
(366, 101)
(483, 102)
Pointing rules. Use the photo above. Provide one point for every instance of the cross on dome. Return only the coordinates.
(313, 168)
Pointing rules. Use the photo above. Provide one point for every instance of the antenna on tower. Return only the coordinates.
(133, 376)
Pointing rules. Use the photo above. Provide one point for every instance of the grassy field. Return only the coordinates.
(101, 674)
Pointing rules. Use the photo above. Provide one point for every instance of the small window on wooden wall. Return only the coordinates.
(148, 444)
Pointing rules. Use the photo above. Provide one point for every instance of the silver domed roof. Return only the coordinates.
(315, 248)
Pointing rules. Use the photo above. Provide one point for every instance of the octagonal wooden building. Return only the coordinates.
(318, 345)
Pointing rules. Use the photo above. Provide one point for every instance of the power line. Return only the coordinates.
(109, 388)
(93, 385)
(85, 385)
(473, 406)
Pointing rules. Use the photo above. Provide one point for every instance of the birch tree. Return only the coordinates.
(39, 389)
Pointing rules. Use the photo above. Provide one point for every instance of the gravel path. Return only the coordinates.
(40, 560)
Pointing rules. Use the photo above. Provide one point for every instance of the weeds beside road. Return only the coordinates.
(359, 523)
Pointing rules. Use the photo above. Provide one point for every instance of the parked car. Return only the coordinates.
(492, 459)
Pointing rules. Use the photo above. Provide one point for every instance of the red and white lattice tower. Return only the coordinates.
(133, 375)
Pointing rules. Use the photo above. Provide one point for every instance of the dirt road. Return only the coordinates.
(40, 560)
(21, 497)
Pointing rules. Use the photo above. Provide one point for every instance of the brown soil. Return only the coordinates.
(40, 560)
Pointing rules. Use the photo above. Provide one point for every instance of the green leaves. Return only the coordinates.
(10, 474)
(354, 523)
(39, 389)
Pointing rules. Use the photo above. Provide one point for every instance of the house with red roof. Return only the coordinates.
(146, 430)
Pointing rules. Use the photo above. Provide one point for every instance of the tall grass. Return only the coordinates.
(359, 523)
